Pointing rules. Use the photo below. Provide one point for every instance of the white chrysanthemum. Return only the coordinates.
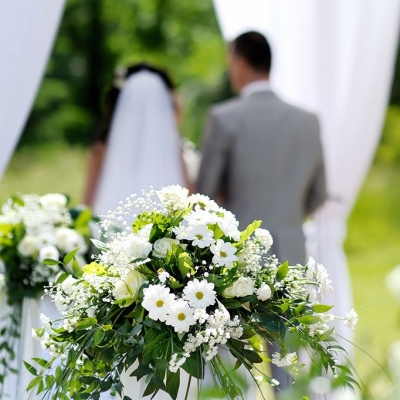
(136, 247)
(242, 287)
(224, 253)
(161, 246)
(157, 301)
(28, 247)
(264, 292)
(289, 359)
(49, 251)
(180, 316)
(264, 238)
(199, 294)
(229, 228)
(351, 319)
(182, 231)
(203, 202)
(201, 236)
(200, 217)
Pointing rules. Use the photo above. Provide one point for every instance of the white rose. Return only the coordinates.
(129, 285)
(27, 247)
(161, 246)
(264, 292)
(244, 286)
(264, 237)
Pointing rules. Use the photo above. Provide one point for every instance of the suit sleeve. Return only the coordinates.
(317, 193)
(214, 162)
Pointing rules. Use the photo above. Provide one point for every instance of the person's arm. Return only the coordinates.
(317, 193)
(95, 162)
(215, 159)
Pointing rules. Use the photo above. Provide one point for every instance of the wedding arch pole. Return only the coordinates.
(334, 58)
(27, 32)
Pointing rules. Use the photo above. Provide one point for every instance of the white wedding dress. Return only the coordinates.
(143, 145)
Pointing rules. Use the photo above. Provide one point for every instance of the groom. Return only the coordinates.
(261, 156)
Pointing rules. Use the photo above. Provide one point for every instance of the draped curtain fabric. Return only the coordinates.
(27, 32)
(334, 58)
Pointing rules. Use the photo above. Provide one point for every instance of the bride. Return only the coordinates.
(138, 145)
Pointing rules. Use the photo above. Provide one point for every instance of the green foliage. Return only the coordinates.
(389, 148)
(97, 35)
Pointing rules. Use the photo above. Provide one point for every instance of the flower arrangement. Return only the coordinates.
(175, 281)
(33, 229)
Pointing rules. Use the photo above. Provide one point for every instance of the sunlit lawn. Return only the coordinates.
(372, 244)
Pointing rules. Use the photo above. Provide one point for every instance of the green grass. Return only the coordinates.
(372, 244)
(49, 168)
(373, 249)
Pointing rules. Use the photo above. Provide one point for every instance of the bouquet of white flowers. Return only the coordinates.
(171, 286)
(32, 229)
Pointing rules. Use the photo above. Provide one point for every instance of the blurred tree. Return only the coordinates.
(97, 35)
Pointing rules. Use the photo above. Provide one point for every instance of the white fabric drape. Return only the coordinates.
(334, 58)
(27, 31)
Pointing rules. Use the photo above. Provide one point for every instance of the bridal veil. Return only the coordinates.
(143, 144)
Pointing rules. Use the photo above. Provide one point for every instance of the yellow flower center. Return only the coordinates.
(181, 316)
(199, 236)
(199, 295)
(223, 254)
(159, 303)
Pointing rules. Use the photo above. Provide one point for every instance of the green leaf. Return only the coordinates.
(34, 383)
(30, 368)
(248, 232)
(282, 271)
(185, 264)
(160, 363)
(231, 303)
(141, 370)
(85, 323)
(321, 308)
(49, 261)
(309, 319)
(69, 256)
(100, 245)
(43, 363)
(173, 381)
(98, 336)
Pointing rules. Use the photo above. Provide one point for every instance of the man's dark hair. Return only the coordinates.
(254, 48)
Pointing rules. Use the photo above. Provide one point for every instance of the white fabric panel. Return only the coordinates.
(334, 58)
(27, 31)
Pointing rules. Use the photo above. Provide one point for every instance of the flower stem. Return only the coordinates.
(188, 387)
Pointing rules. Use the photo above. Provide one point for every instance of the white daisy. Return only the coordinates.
(201, 236)
(199, 294)
(224, 253)
(157, 301)
(49, 251)
(182, 231)
(180, 316)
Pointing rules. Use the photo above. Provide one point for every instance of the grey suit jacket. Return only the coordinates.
(265, 157)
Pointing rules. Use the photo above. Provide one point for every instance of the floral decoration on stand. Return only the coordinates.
(171, 286)
(34, 229)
